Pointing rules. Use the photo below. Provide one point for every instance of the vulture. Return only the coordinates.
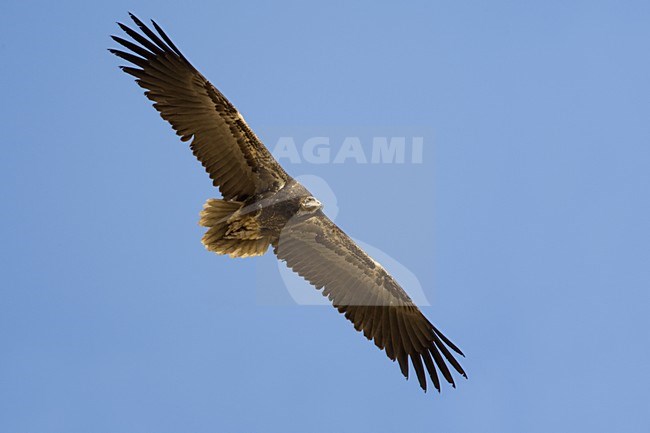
(261, 206)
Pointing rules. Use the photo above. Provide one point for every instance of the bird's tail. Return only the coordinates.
(232, 233)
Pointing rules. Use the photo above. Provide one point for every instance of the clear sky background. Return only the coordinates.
(527, 224)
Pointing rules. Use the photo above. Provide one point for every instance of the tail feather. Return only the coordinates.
(216, 212)
(229, 233)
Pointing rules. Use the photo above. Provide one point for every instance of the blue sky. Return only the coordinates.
(527, 223)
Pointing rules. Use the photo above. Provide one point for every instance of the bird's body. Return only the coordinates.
(244, 229)
(262, 207)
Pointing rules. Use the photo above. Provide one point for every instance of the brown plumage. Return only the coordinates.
(262, 206)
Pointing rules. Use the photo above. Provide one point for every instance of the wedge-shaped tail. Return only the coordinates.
(230, 232)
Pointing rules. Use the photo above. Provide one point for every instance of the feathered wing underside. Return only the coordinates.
(237, 162)
(367, 295)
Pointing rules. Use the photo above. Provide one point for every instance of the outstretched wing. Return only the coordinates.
(237, 162)
(370, 298)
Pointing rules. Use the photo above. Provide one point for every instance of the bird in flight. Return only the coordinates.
(263, 206)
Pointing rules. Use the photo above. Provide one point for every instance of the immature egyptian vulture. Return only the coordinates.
(263, 206)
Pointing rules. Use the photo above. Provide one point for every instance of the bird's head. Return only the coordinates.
(309, 204)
